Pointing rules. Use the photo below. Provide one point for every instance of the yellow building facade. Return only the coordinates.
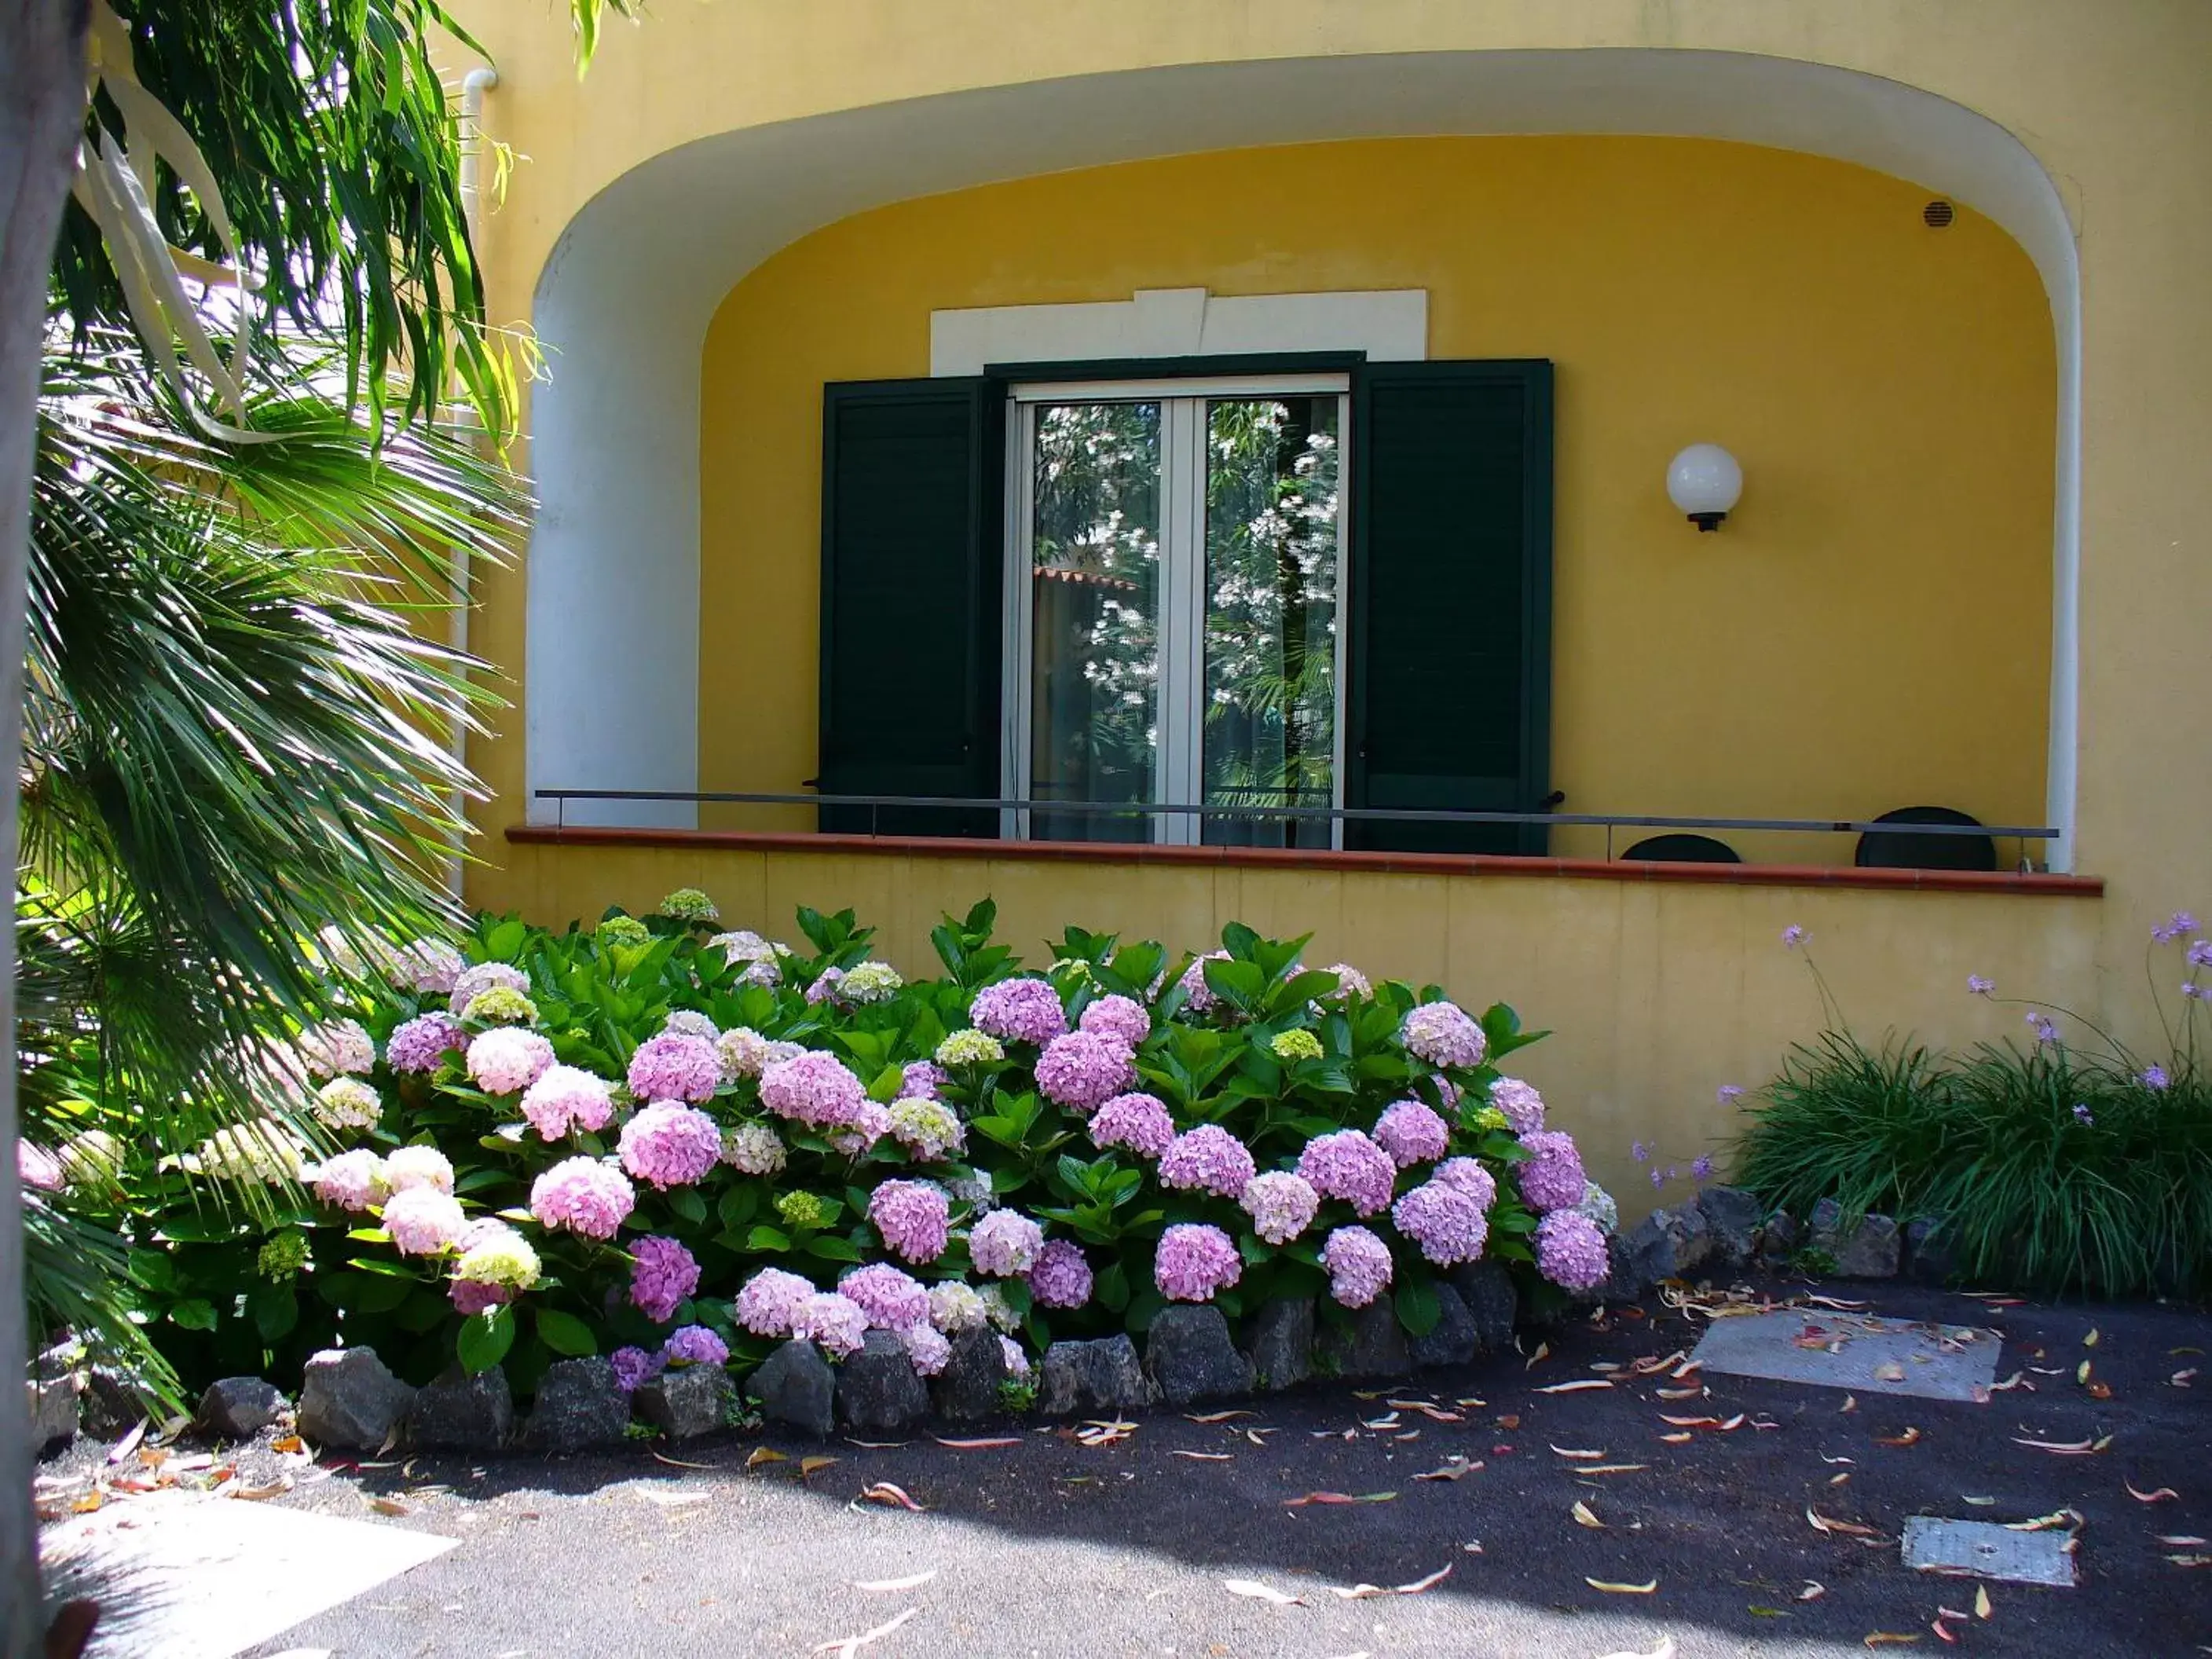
(1931, 275)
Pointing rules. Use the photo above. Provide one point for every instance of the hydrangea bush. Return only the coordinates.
(673, 1146)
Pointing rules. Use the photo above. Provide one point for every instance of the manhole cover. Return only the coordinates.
(1983, 1549)
(1857, 1351)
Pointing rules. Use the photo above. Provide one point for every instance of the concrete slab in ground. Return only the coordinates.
(1984, 1549)
(217, 1576)
(1854, 1351)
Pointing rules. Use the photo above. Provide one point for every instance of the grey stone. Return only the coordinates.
(1101, 1375)
(878, 1389)
(1189, 1358)
(1928, 1257)
(968, 1388)
(240, 1408)
(1987, 1549)
(1779, 1239)
(53, 1410)
(348, 1397)
(1861, 1352)
(1625, 1282)
(1280, 1342)
(110, 1403)
(1374, 1345)
(684, 1402)
(1733, 1215)
(455, 1411)
(1485, 1290)
(578, 1404)
(1454, 1340)
(1668, 1245)
(1868, 1248)
(796, 1387)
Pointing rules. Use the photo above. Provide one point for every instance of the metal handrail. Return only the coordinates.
(1350, 814)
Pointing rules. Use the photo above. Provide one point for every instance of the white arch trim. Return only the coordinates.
(623, 304)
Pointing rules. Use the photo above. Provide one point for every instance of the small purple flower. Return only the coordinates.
(2046, 1029)
(2084, 1115)
(2200, 956)
(1658, 1177)
(1639, 1152)
(1730, 1093)
(2175, 926)
(1978, 987)
(1702, 1166)
(2155, 1077)
(2190, 988)
(1792, 936)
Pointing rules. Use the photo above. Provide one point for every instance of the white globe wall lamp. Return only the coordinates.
(1705, 482)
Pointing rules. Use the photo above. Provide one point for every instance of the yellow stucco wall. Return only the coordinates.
(1871, 629)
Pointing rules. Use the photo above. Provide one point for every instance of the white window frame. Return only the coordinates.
(1182, 578)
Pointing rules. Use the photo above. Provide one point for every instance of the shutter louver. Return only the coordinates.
(1449, 683)
(911, 522)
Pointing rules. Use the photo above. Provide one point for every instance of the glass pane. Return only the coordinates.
(1272, 471)
(1095, 685)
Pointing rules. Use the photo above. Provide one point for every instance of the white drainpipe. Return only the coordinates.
(474, 85)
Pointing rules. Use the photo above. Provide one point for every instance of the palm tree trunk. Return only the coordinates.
(41, 113)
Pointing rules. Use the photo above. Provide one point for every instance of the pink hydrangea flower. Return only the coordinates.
(743, 1052)
(914, 1218)
(1358, 1266)
(923, 1079)
(1412, 1132)
(472, 982)
(1017, 1362)
(1198, 995)
(1345, 1164)
(752, 1149)
(891, 1299)
(1207, 1159)
(1061, 1277)
(418, 1166)
(1019, 1011)
(423, 1221)
(1281, 1205)
(1553, 1179)
(429, 967)
(836, 1322)
(1118, 1017)
(567, 1097)
(422, 1043)
(1469, 1177)
(352, 1180)
(339, 1048)
(1140, 1122)
(1447, 1222)
(695, 1345)
(584, 1195)
(38, 1169)
(1193, 1260)
(927, 1128)
(1571, 1251)
(1522, 1106)
(508, 1059)
(770, 1300)
(1005, 1244)
(668, 1144)
(813, 1088)
(662, 1273)
(1350, 982)
(1442, 1034)
(1080, 1069)
(675, 1065)
(869, 1124)
(926, 1347)
(469, 1297)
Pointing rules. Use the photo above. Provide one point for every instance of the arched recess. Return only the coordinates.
(623, 304)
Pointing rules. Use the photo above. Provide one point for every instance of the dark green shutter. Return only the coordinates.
(1450, 692)
(912, 508)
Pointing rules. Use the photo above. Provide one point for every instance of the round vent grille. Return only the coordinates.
(1938, 213)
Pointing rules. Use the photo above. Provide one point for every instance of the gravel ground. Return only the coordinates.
(1051, 1547)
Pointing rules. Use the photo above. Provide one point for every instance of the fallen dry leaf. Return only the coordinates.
(2182, 1541)
(1217, 1417)
(1888, 1638)
(2181, 1379)
(1842, 1480)
(1204, 1457)
(1890, 1372)
(1611, 1468)
(1584, 1518)
(882, 1491)
(1813, 1591)
(2090, 1340)
(1909, 1438)
(908, 1583)
(1678, 1437)
(1509, 1420)
(1543, 1352)
(678, 1463)
(765, 1454)
(846, 1647)
(1943, 1632)
(1580, 1385)
(1664, 1650)
(1679, 1394)
(2163, 1495)
(1690, 1422)
(287, 1443)
(1253, 1589)
(2063, 1448)
(389, 1506)
(1982, 1608)
(1428, 1582)
(1336, 1497)
(1253, 1435)
(991, 1442)
(1822, 1523)
(1452, 1468)
(1612, 1588)
(812, 1466)
(1574, 1451)
(2191, 1560)
(255, 1494)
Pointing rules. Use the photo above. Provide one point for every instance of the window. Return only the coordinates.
(1223, 586)
(1174, 577)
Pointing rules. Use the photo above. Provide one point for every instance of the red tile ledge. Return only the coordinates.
(1276, 858)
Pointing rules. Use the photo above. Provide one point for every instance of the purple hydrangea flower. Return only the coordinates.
(1019, 1010)
(825, 987)
(912, 1217)
(1469, 1177)
(836, 1322)
(1207, 1159)
(1118, 1017)
(633, 1366)
(1522, 1106)
(1198, 995)
(1448, 1225)
(1005, 1244)
(1140, 1122)
(891, 1299)
(422, 1043)
(1412, 1133)
(668, 1144)
(695, 1345)
(923, 1079)
(662, 1273)
(508, 1059)
(469, 1296)
(1571, 1252)
(1553, 1179)
(1061, 1277)
(583, 1195)
(675, 1065)
(1442, 1034)
(1358, 1266)
(1345, 1164)
(1080, 1069)
(1193, 1260)
(1281, 1205)
(926, 1348)
(770, 1300)
(472, 982)
(567, 1097)
(813, 1088)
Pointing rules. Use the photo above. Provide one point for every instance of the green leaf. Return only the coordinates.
(194, 1314)
(504, 943)
(687, 1203)
(484, 1339)
(831, 1246)
(771, 1239)
(1419, 1308)
(738, 1205)
(565, 1334)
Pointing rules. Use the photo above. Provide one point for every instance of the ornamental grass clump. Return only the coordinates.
(678, 1148)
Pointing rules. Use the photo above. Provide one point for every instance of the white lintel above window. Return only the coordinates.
(1387, 324)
